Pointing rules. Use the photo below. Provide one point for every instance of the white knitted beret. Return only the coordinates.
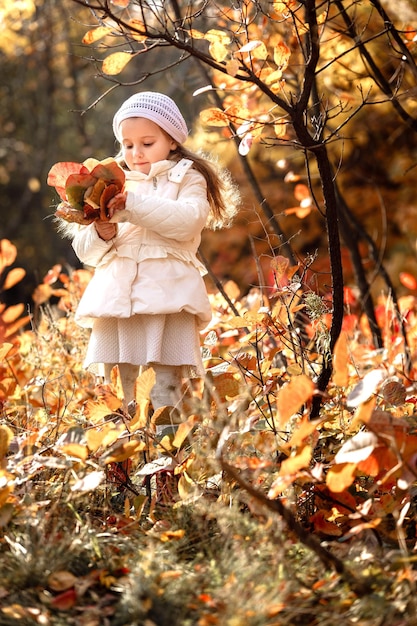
(156, 107)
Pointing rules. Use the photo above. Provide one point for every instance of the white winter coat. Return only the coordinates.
(151, 265)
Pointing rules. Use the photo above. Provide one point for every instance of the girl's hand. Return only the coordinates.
(105, 230)
(117, 203)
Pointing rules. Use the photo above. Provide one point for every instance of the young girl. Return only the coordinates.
(147, 299)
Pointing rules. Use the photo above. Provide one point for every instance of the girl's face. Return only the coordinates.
(144, 143)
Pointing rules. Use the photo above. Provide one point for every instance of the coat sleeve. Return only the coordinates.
(89, 247)
(181, 219)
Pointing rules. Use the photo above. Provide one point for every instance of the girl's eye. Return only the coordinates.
(147, 145)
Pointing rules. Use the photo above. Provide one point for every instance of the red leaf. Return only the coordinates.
(65, 600)
(408, 280)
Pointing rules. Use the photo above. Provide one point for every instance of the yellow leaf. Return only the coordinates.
(78, 450)
(273, 77)
(103, 437)
(8, 253)
(340, 361)
(218, 51)
(116, 62)
(184, 430)
(95, 34)
(140, 419)
(214, 35)
(292, 396)
(257, 49)
(6, 435)
(144, 384)
(13, 277)
(97, 410)
(282, 54)
(340, 477)
(4, 350)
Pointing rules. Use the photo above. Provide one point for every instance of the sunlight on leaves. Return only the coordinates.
(116, 62)
(357, 449)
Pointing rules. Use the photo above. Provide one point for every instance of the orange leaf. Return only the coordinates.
(294, 463)
(116, 62)
(214, 117)
(305, 428)
(124, 451)
(321, 525)
(301, 192)
(4, 350)
(340, 477)
(280, 265)
(13, 328)
(292, 396)
(12, 313)
(8, 253)
(408, 280)
(340, 361)
(13, 277)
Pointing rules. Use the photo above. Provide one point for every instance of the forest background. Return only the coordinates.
(303, 444)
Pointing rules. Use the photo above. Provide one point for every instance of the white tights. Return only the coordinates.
(165, 392)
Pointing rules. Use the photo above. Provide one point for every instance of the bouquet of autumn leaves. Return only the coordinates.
(85, 188)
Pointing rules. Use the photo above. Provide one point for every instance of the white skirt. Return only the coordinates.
(142, 340)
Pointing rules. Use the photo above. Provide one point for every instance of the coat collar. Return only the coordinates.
(156, 169)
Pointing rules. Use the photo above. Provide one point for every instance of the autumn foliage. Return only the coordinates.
(245, 436)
